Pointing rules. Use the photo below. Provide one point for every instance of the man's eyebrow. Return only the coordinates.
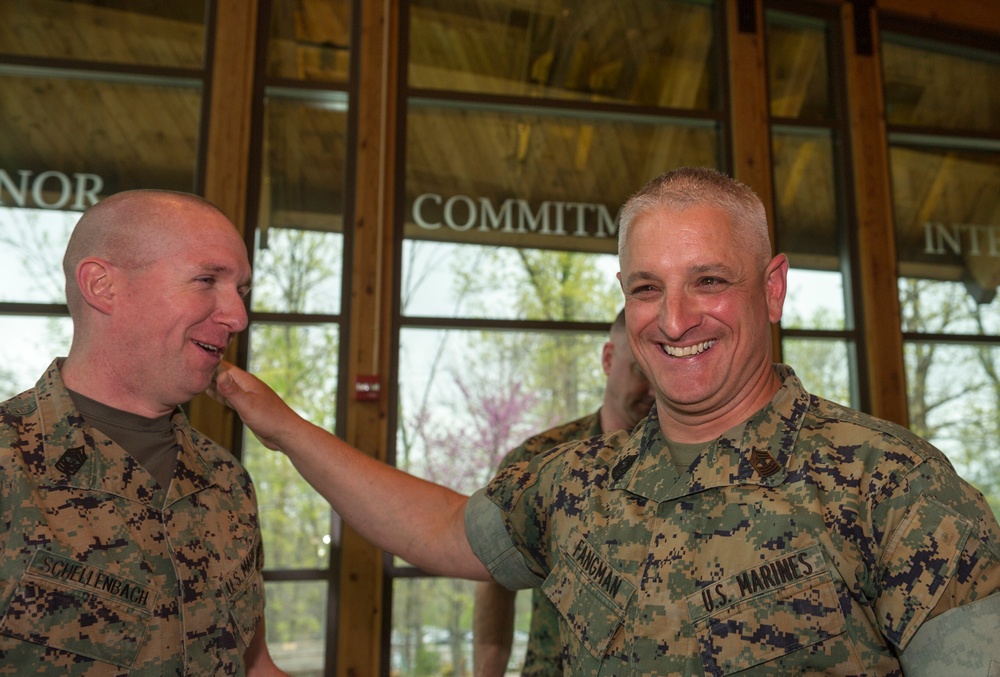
(712, 268)
(639, 275)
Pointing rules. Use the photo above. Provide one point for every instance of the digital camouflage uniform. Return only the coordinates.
(543, 655)
(102, 572)
(812, 538)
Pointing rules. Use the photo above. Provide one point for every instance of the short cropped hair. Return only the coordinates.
(687, 187)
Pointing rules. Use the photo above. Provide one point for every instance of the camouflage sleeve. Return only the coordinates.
(940, 552)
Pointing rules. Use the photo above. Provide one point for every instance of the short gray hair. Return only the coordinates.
(686, 187)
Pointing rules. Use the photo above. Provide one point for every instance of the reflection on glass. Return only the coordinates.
(310, 40)
(28, 346)
(805, 198)
(814, 300)
(930, 84)
(646, 52)
(300, 363)
(947, 209)
(432, 627)
(110, 136)
(298, 261)
(535, 180)
(822, 366)
(954, 402)
(296, 625)
(466, 398)
(452, 280)
(33, 241)
(305, 151)
(111, 31)
(798, 79)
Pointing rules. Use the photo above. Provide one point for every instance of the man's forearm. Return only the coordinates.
(410, 517)
(417, 520)
(492, 629)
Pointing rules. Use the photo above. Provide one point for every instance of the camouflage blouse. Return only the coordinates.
(103, 572)
(811, 538)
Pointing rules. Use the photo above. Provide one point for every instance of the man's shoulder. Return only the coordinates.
(211, 452)
(19, 418)
(22, 404)
(842, 426)
(580, 429)
(585, 463)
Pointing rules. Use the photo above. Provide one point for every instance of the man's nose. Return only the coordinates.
(677, 315)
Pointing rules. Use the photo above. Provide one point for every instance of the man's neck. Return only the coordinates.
(686, 427)
(82, 377)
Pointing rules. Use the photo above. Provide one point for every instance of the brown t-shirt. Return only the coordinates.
(150, 441)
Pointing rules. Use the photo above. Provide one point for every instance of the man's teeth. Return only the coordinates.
(207, 347)
(688, 351)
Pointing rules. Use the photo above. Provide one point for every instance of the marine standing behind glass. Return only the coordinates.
(129, 543)
(744, 526)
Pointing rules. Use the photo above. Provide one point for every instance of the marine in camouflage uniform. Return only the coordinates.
(544, 652)
(810, 539)
(102, 572)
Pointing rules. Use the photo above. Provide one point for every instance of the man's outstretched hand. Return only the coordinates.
(261, 409)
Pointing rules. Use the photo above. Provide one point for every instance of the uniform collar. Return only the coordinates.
(755, 452)
(79, 456)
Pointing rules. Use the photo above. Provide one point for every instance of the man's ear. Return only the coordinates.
(607, 356)
(95, 278)
(776, 284)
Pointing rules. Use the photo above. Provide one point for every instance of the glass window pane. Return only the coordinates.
(109, 137)
(823, 366)
(28, 346)
(450, 280)
(298, 264)
(954, 402)
(814, 300)
(947, 210)
(34, 241)
(296, 626)
(431, 627)
(299, 271)
(535, 180)
(798, 79)
(468, 397)
(808, 229)
(931, 84)
(310, 40)
(146, 33)
(300, 363)
(806, 208)
(931, 307)
(646, 52)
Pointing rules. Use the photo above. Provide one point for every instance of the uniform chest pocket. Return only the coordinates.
(70, 606)
(770, 627)
(591, 597)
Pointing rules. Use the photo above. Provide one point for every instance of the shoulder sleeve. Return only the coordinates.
(492, 544)
(941, 550)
